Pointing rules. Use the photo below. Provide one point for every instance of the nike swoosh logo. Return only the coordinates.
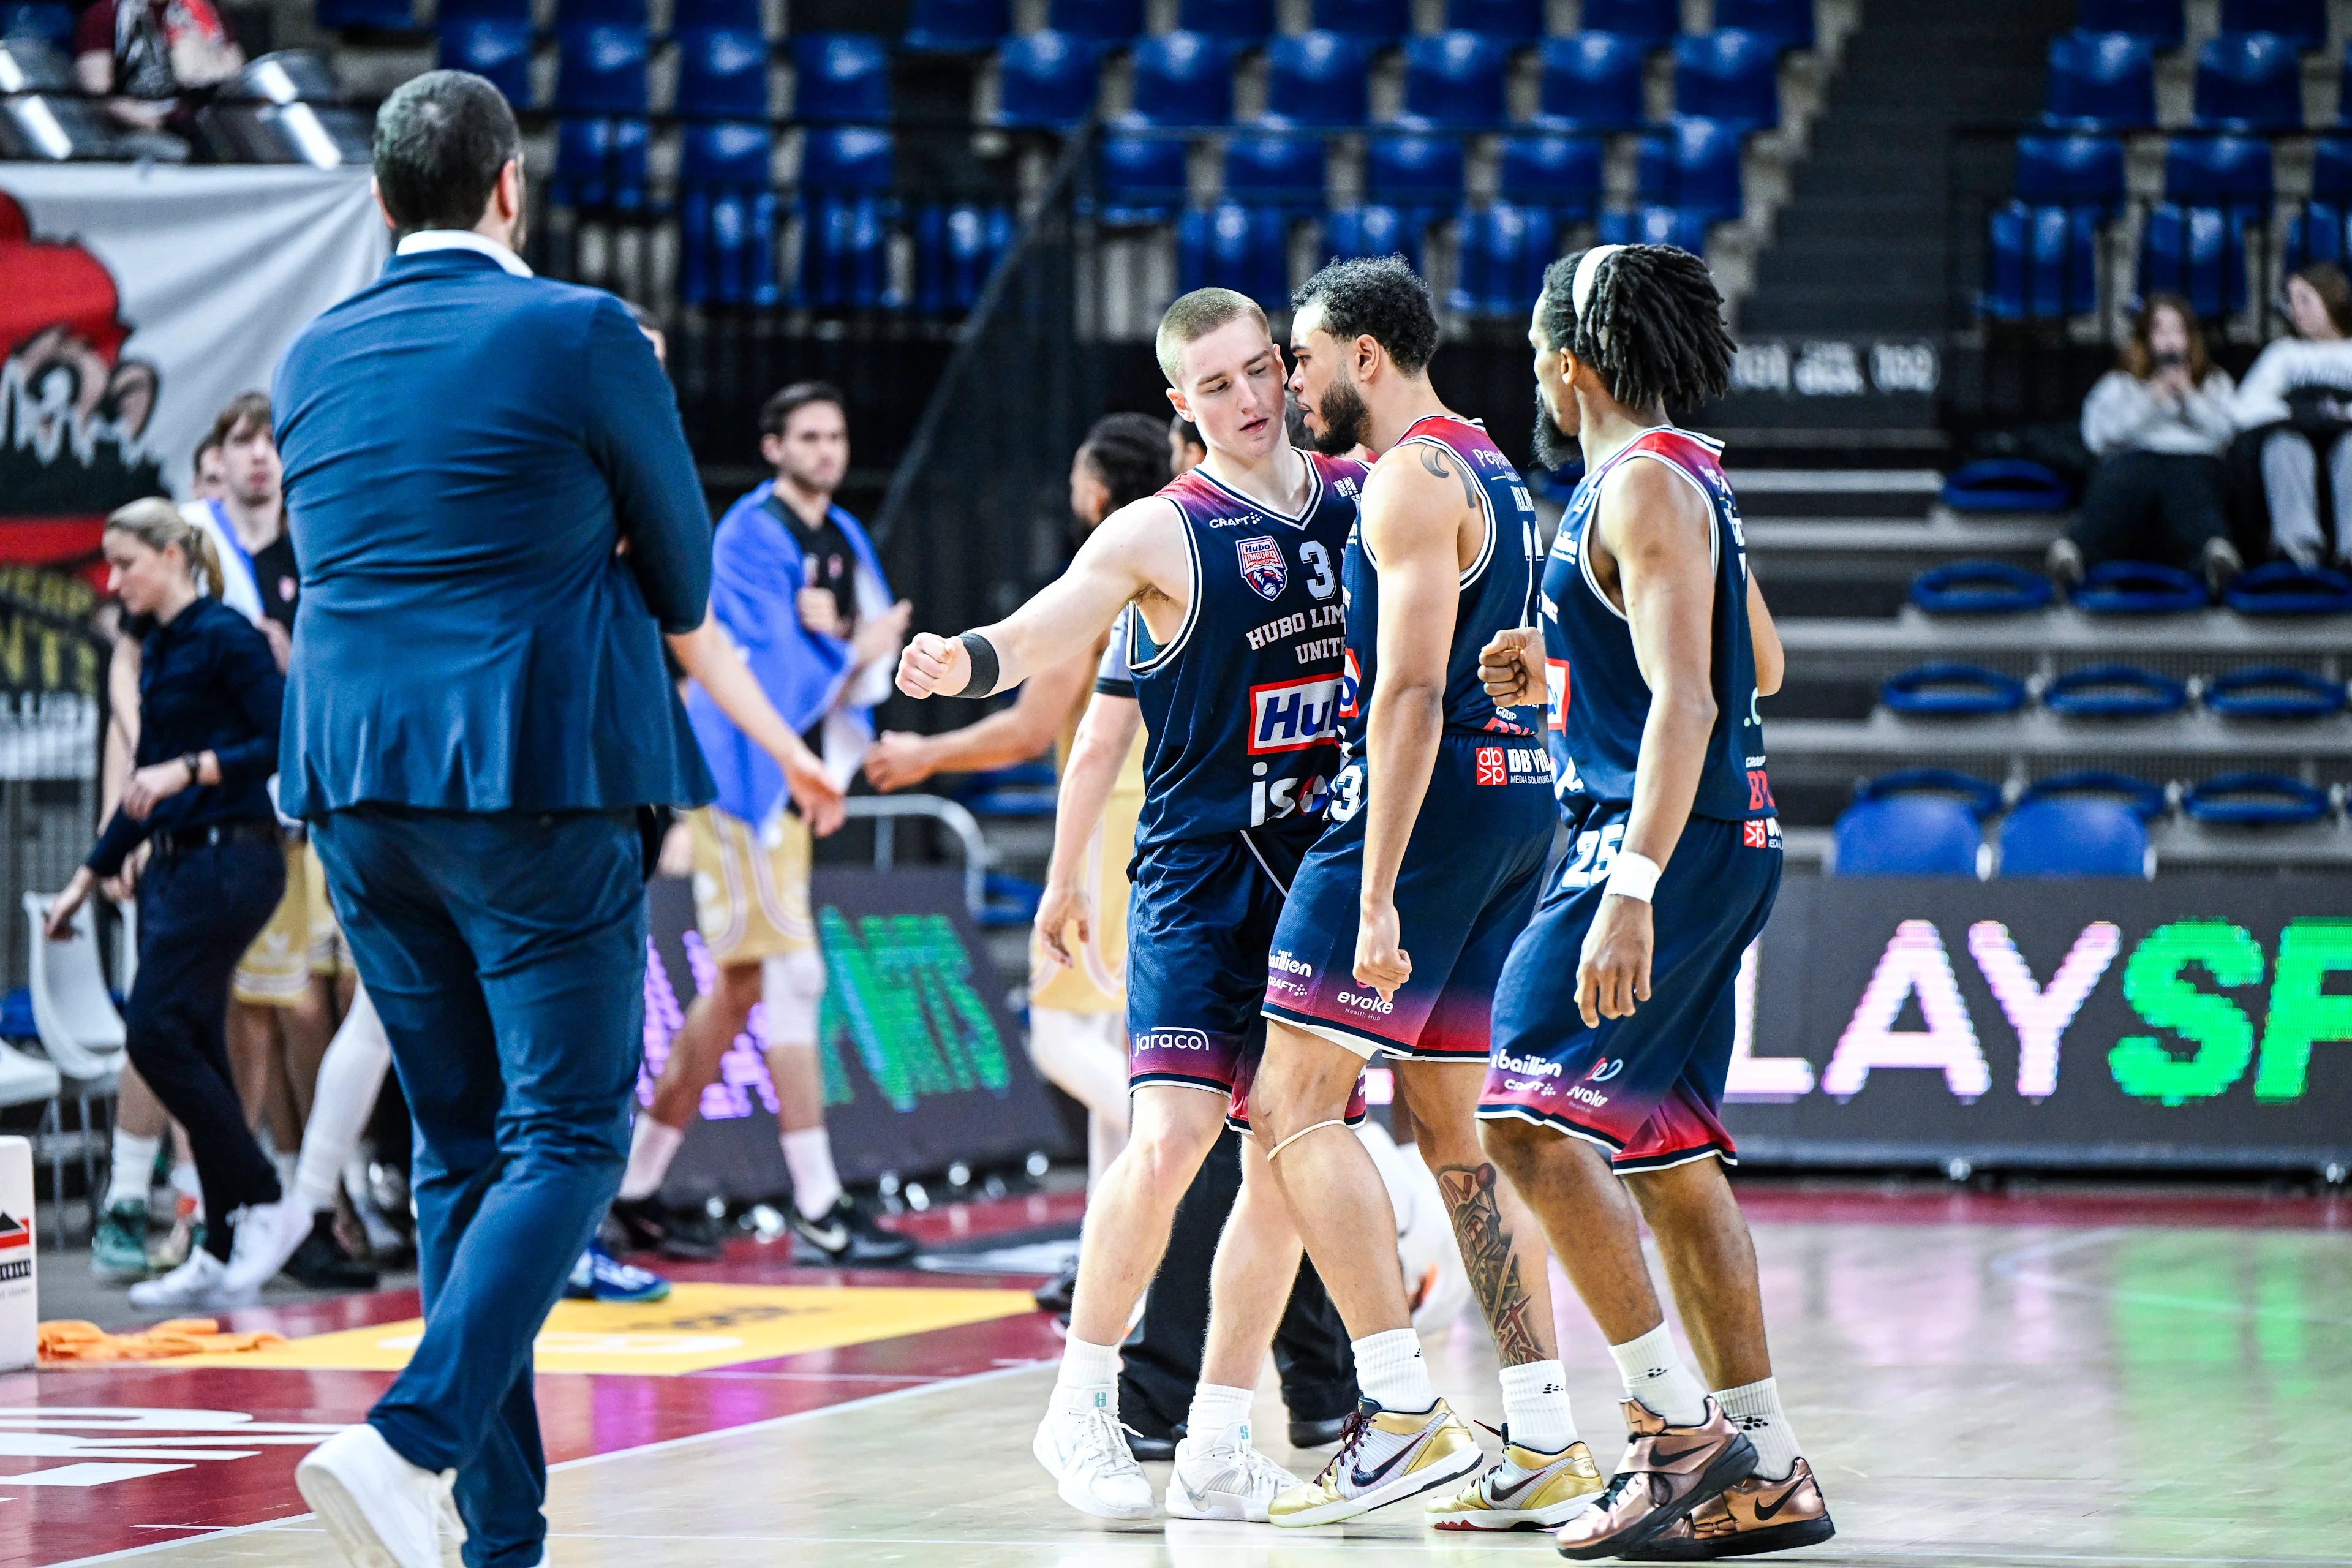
(1763, 1513)
(1356, 1472)
(1505, 1494)
(832, 1240)
(1660, 1456)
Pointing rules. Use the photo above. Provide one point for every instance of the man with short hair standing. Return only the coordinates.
(477, 716)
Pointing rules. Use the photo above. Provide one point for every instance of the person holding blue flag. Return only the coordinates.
(797, 588)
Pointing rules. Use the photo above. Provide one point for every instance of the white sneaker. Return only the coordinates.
(380, 1510)
(265, 1236)
(1086, 1450)
(1225, 1478)
(199, 1285)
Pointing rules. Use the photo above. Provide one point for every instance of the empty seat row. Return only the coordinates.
(2163, 24)
(2245, 81)
(838, 78)
(975, 26)
(1953, 689)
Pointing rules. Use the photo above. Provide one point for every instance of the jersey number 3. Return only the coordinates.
(1322, 581)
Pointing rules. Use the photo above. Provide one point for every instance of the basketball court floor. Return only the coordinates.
(2081, 1379)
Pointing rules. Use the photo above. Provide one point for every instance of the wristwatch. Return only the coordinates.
(195, 762)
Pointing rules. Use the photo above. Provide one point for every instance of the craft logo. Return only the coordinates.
(1291, 715)
(1491, 770)
(1263, 567)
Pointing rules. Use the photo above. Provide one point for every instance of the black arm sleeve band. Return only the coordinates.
(983, 655)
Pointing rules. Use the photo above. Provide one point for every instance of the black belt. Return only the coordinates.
(164, 842)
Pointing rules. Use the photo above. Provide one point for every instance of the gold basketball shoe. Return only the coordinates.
(1384, 1456)
(1524, 1490)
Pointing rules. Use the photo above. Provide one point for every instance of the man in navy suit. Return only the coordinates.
(475, 712)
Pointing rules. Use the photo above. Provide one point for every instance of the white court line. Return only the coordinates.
(689, 1440)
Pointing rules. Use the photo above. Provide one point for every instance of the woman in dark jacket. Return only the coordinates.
(209, 698)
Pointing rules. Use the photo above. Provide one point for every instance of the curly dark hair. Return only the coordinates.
(1128, 452)
(1379, 298)
(1653, 327)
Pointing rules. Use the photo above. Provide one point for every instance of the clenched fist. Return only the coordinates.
(934, 666)
(1511, 667)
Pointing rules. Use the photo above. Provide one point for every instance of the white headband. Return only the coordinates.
(1587, 271)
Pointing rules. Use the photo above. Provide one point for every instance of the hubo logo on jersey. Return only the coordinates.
(1351, 681)
(1291, 715)
(1263, 567)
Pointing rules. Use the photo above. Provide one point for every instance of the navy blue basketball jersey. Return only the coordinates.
(1498, 589)
(1597, 702)
(1242, 704)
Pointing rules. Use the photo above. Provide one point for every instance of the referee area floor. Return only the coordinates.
(2085, 1376)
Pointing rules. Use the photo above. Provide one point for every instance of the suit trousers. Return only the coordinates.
(505, 953)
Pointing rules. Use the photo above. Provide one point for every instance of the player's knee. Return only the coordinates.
(1165, 1157)
(1515, 1148)
(739, 987)
(791, 985)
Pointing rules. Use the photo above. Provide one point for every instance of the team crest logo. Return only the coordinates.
(1263, 567)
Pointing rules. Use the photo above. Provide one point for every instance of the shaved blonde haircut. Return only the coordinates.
(1194, 317)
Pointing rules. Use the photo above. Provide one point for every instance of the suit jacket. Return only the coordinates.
(463, 450)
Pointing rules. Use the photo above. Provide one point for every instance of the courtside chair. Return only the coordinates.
(957, 26)
(1106, 24)
(1454, 80)
(1729, 75)
(2301, 23)
(1561, 174)
(838, 78)
(1376, 23)
(602, 69)
(1046, 81)
(1182, 79)
(1787, 22)
(495, 47)
(1592, 81)
(1318, 77)
(1230, 246)
(2073, 836)
(2101, 81)
(727, 216)
(743, 16)
(1269, 168)
(722, 73)
(1142, 179)
(80, 1030)
(1237, 24)
(1651, 24)
(1513, 23)
(2249, 81)
(2163, 24)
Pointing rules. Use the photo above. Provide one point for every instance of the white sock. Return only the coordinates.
(1216, 1410)
(185, 1182)
(651, 1146)
(349, 1075)
(1390, 1371)
(1755, 1409)
(134, 1168)
(287, 1165)
(1656, 1375)
(816, 1187)
(1535, 1407)
(1089, 1376)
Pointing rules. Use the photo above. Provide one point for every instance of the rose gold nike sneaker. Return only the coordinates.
(1666, 1473)
(1754, 1516)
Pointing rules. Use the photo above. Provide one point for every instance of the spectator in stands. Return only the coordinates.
(207, 744)
(1185, 448)
(2159, 424)
(205, 469)
(2294, 403)
(146, 57)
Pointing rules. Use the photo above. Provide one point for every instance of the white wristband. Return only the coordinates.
(1634, 876)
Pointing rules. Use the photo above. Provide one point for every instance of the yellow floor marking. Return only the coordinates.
(699, 1327)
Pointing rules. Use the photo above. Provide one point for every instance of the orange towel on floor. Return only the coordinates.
(69, 1339)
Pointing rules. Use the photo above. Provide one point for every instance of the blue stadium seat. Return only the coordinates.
(1272, 169)
(1182, 79)
(2043, 262)
(743, 16)
(1373, 23)
(1454, 78)
(1694, 164)
(2197, 251)
(450, 11)
(957, 26)
(1728, 75)
(1649, 23)
(1045, 79)
(1505, 249)
(1372, 229)
(2219, 171)
(1592, 82)
(496, 47)
(600, 164)
(956, 249)
(1513, 23)
(600, 13)
(602, 70)
(839, 78)
(727, 220)
(1907, 836)
(1230, 246)
(2101, 81)
(844, 254)
(1787, 22)
(723, 74)
(52, 23)
(849, 158)
(2301, 23)
(2249, 81)
(726, 154)
(1654, 225)
(2162, 23)
(1237, 24)
(1106, 24)
(2316, 231)
(377, 16)
(1142, 179)
(2073, 171)
(1561, 174)
(1317, 79)
(1414, 172)
(2073, 836)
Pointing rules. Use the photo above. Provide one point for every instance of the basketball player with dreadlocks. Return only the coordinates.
(1654, 647)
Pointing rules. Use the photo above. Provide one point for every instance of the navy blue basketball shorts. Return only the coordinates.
(1200, 918)
(1469, 881)
(1645, 1089)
